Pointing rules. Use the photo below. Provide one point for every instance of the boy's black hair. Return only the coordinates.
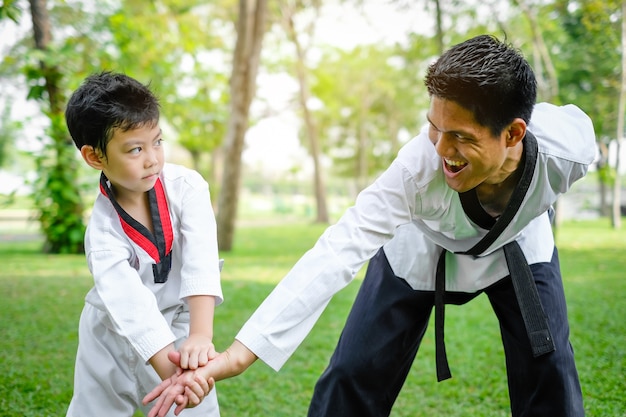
(107, 101)
(487, 77)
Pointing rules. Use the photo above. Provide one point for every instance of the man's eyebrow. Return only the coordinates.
(454, 132)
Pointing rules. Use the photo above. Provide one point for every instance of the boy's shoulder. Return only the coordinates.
(174, 175)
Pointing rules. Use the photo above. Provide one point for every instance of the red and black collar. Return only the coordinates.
(158, 244)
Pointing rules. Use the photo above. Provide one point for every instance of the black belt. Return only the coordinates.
(532, 312)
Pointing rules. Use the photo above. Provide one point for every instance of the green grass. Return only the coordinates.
(42, 296)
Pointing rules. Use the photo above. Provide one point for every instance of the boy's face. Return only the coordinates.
(470, 154)
(134, 160)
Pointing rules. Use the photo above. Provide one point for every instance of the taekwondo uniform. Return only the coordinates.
(413, 215)
(137, 305)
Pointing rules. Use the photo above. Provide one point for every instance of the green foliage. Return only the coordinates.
(7, 133)
(56, 194)
(588, 59)
(369, 95)
(42, 296)
(9, 9)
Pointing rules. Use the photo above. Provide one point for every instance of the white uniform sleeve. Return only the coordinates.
(131, 307)
(200, 259)
(287, 315)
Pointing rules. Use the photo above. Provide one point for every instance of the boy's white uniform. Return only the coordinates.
(412, 213)
(128, 317)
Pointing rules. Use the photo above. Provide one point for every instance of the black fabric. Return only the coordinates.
(534, 317)
(385, 328)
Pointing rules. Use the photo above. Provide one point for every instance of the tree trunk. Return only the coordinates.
(439, 19)
(61, 221)
(616, 215)
(309, 123)
(250, 31)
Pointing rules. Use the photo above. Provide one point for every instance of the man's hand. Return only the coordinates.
(185, 388)
(188, 388)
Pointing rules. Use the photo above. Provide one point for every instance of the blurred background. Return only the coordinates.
(287, 107)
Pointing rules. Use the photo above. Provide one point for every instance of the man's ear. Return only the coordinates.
(515, 132)
(92, 157)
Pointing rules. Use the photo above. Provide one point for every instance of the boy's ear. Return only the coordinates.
(92, 157)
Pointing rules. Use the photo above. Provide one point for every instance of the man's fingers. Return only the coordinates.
(181, 405)
(193, 398)
(204, 384)
(156, 391)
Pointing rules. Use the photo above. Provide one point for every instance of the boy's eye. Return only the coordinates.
(159, 142)
(135, 150)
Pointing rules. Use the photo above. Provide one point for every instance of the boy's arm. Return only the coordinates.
(161, 364)
(198, 348)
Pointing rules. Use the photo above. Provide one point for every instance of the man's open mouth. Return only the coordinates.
(454, 166)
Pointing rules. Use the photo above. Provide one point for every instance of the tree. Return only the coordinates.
(616, 214)
(245, 64)
(369, 98)
(588, 74)
(289, 10)
(57, 196)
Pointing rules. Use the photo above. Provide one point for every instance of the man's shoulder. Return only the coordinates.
(564, 132)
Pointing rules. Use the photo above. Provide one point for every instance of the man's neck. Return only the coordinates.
(494, 196)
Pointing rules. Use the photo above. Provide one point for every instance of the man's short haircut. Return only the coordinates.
(487, 77)
(107, 101)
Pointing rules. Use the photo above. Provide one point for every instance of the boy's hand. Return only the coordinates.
(196, 351)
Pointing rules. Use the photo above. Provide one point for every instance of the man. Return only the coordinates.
(461, 211)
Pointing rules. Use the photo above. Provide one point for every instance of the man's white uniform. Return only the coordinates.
(412, 212)
(128, 317)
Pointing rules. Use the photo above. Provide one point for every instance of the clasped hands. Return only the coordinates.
(186, 387)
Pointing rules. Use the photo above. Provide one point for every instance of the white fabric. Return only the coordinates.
(411, 203)
(110, 380)
(125, 303)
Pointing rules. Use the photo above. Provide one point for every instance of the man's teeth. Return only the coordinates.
(454, 163)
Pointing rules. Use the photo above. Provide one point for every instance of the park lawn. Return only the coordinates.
(42, 296)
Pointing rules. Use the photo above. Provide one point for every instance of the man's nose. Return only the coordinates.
(442, 143)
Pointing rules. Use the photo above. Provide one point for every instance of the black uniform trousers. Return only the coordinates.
(387, 323)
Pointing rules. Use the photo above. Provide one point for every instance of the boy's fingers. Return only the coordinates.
(192, 362)
(174, 357)
(184, 360)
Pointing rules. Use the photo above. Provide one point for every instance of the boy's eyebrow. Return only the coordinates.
(134, 141)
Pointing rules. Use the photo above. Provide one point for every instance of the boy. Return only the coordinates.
(463, 210)
(151, 247)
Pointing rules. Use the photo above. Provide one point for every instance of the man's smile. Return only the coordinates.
(454, 166)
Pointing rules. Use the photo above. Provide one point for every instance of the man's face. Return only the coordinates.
(470, 153)
(133, 161)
